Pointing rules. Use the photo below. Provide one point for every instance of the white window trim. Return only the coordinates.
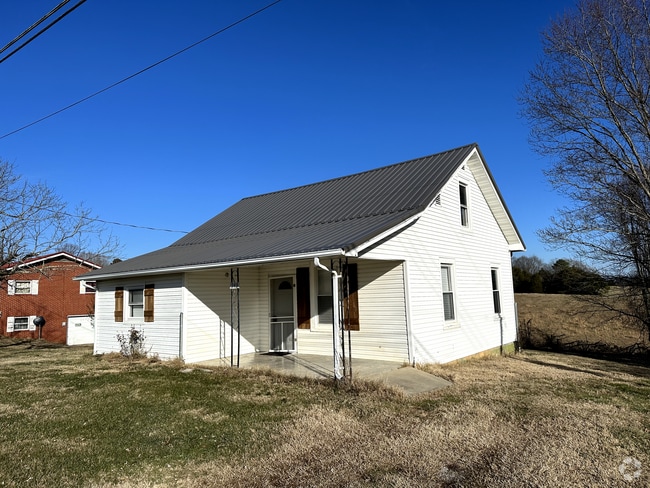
(11, 287)
(30, 323)
(495, 269)
(128, 305)
(86, 286)
(314, 289)
(451, 323)
(468, 205)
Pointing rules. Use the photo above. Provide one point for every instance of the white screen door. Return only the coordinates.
(283, 324)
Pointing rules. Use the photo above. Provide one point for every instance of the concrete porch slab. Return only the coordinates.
(410, 380)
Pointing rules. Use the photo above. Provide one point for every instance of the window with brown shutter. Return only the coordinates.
(303, 298)
(350, 297)
(148, 303)
(119, 304)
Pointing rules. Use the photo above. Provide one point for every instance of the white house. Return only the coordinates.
(421, 252)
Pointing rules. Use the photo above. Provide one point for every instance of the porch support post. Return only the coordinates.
(234, 315)
(336, 326)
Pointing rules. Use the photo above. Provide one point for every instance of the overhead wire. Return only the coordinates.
(90, 219)
(33, 26)
(44, 29)
(151, 66)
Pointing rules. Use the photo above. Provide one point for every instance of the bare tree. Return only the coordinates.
(35, 221)
(529, 264)
(587, 101)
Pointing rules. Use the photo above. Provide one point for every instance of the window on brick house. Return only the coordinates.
(21, 323)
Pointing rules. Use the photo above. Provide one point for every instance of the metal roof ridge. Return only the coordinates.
(373, 170)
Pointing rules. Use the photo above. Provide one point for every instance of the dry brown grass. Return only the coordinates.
(559, 320)
(536, 419)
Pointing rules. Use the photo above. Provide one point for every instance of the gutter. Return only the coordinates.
(199, 267)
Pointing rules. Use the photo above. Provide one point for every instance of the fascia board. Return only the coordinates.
(200, 267)
(486, 183)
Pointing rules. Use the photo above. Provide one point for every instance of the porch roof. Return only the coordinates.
(326, 218)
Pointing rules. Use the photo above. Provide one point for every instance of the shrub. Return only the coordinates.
(132, 344)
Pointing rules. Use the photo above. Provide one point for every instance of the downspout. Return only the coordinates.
(336, 326)
(409, 332)
(180, 335)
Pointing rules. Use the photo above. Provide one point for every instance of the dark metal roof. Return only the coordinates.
(338, 214)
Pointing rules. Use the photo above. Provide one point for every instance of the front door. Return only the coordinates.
(283, 324)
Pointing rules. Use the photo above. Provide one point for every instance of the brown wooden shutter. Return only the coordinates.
(350, 297)
(303, 298)
(119, 304)
(148, 303)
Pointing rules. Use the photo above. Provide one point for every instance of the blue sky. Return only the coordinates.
(305, 91)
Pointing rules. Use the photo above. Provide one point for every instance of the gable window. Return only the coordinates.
(22, 287)
(136, 303)
(496, 296)
(464, 209)
(446, 271)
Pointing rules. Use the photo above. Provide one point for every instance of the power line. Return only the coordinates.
(220, 31)
(34, 25)
(44, 29)
(91, 219)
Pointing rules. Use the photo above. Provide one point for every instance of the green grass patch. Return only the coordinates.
(70, 419)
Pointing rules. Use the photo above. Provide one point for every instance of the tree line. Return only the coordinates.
(531, 274)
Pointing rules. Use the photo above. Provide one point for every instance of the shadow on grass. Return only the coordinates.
(607, 363)
(29, 343)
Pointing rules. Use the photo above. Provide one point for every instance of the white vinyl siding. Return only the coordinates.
(207, 317)
(382, 331)
(437, 238)
(161, 336)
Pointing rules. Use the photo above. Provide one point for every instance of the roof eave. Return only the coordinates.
(206, 266)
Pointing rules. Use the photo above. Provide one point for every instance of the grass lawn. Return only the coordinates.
(534, 419)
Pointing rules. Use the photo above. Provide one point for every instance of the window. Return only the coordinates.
(136, 303)
(447, 291)
(86, 287)
(464, 211)
(22, 287)
(21, 323)
(325, 315)
(17, 324)
(496, 298)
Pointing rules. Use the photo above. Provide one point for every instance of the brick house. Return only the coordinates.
(44, 287)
